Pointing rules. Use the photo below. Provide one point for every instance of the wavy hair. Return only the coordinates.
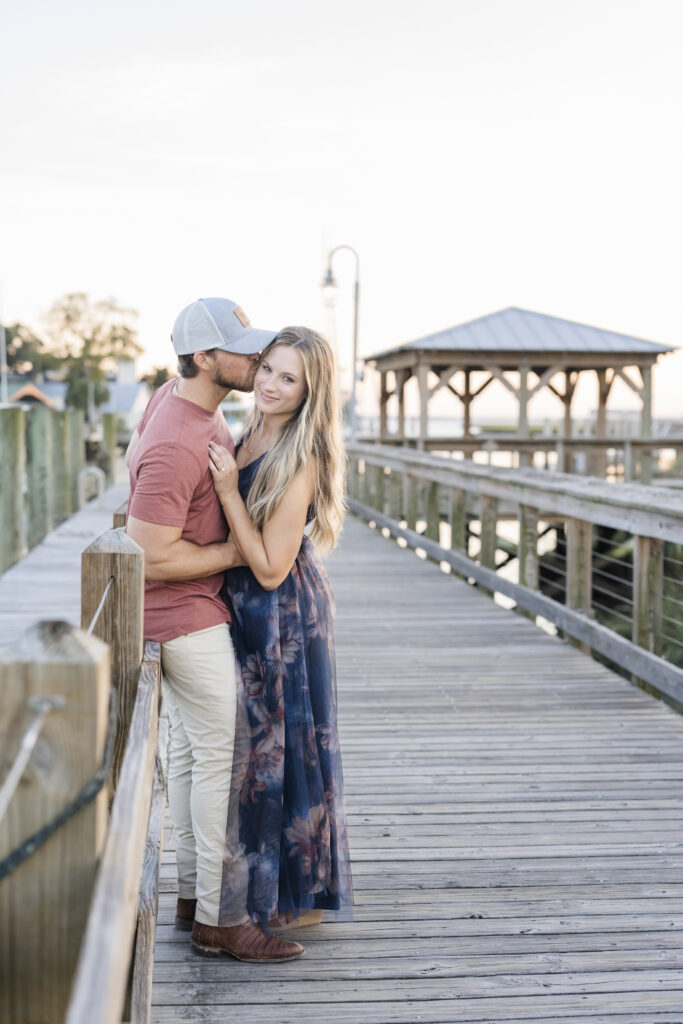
(314, 429)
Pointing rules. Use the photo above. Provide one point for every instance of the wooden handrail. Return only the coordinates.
(100, 986)
(395, 488)
(642, 510)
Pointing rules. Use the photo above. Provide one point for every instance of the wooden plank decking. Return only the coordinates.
(515, 819)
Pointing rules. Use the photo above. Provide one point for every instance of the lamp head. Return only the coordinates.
(329, 281)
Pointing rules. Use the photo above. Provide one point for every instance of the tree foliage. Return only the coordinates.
(89, 337)
(157, 376)
(26, 352)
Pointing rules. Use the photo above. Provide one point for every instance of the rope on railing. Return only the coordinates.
(88, 793)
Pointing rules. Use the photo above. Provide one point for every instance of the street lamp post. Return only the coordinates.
(329, 281)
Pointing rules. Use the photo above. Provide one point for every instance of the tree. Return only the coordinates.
(90, 337)
(157, 376)
(26, 352)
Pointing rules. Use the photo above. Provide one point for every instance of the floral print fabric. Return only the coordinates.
(287, 805)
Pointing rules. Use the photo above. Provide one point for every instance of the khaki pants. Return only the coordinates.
(200, 695)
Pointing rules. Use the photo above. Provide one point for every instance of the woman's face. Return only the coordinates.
(280, 381)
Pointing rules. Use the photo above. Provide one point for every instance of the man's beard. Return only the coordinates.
(245, 385)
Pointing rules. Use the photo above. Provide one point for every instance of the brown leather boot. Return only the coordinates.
(246, 942)
(184, 915)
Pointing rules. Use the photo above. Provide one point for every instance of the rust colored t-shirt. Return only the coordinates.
(170, 485)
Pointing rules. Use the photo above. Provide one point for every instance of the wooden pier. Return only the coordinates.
(514, 810)
(515, 823)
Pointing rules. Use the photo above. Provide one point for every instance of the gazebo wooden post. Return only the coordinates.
(402, 377)
(646, 423)
(570, 379)
(383, 399)
(598, 461)
(466, 402)
(422, 372)
(523, 398)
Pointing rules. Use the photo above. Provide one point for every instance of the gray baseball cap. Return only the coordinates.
(217, 323)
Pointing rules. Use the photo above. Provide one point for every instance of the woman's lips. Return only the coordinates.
(266, 398)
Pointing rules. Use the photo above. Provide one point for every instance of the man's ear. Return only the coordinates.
(201, 359)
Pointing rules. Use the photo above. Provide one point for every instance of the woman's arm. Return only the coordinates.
(269, 553)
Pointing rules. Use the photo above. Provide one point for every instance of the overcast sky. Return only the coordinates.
(477, 154)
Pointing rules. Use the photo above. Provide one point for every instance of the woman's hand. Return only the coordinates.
(223, 470)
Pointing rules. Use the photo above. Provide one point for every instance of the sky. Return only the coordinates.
(477, 154)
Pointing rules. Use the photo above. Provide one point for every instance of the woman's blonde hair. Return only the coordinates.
(313, 430)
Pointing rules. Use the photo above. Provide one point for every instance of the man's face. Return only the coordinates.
(232, 371)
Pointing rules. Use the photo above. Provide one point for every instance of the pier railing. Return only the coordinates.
(601, 562)
(42, 461)
(82, 822)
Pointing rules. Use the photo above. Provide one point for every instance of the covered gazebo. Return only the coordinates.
(525, 352)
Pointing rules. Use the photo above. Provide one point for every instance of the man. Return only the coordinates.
(174, 515)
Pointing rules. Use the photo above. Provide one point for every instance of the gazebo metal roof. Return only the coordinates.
(521, 330)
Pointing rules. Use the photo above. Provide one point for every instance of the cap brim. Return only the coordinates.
(249, 343)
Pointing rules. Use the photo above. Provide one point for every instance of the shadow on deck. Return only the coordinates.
(515, 822)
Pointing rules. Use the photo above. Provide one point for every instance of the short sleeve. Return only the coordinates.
(166, 479)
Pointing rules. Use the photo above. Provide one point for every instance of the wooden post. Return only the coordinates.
(61, 450)
(109, 445)
(120, 516)
(120, 623)
(422, 372)
(648, 589)
(383, 399)
(410, 501)
(379, 488)
(401, 381)
(458, 519)
(44, 902)
(488, 525)
(646, 459)
(39, 474)
(351, 480)
(466, 403)
(579, 570)
(432, 512)
(629, 461)
(12, 467)
(598, 460)
(528, 546)
(570, 379)
(523, 425)
(76, 422)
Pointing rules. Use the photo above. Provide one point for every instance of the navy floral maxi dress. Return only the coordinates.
(287, 805)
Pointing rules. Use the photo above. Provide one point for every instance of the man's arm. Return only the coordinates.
(168, 557)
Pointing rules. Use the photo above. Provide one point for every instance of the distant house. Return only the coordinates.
(127, 395)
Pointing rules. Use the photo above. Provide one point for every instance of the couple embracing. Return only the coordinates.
(245, 627)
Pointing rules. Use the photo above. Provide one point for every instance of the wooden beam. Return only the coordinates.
(499, 375)
(621, 373)
(444, 377)
(544, 380)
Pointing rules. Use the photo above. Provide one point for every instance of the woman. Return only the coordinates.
(287, 473)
